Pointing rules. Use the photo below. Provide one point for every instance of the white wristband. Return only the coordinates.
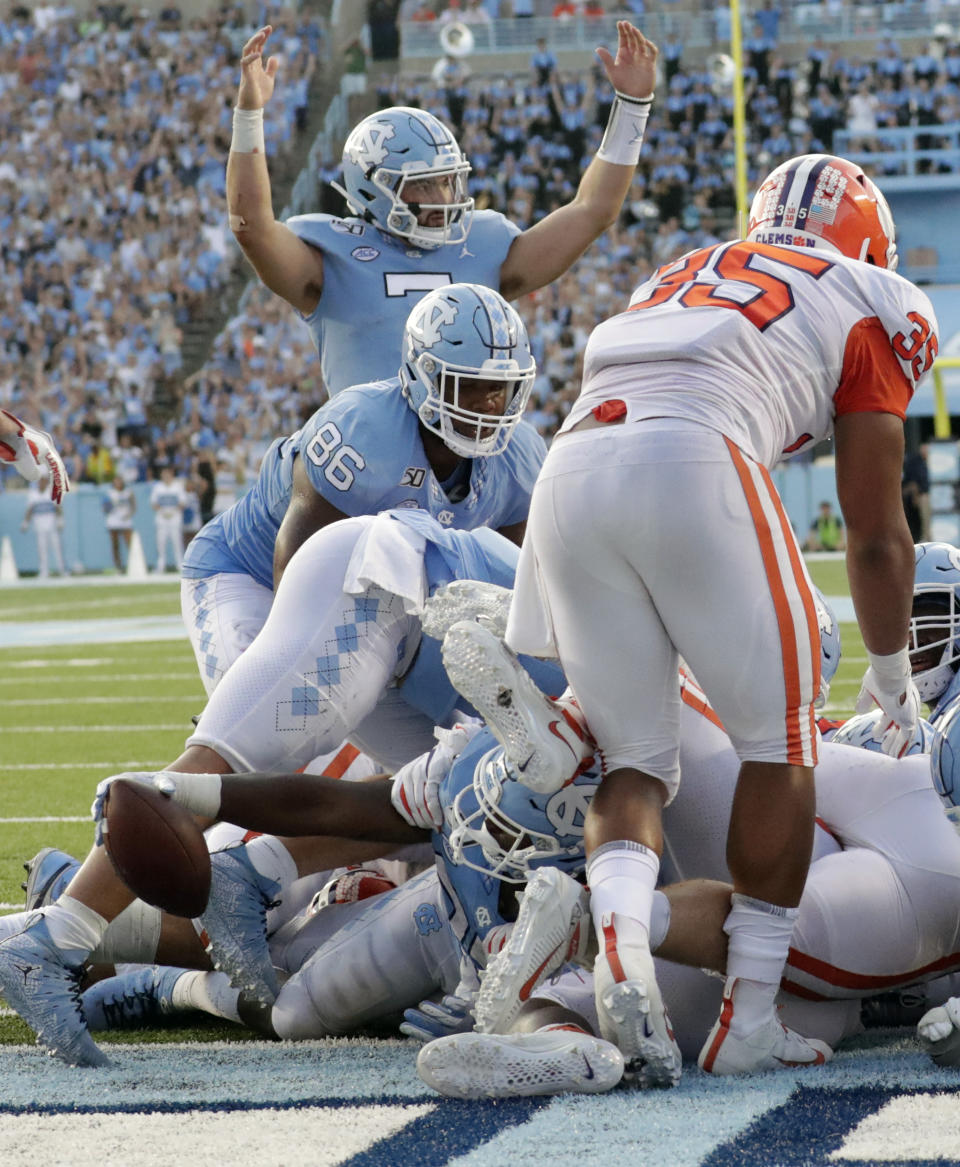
(247, 132)
(623, 136)
(893, 667)
(197, 793)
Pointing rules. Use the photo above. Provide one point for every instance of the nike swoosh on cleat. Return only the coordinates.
(589, 1074)
(530, 983)
(557, 734)
(647, 1027)
(521, 766)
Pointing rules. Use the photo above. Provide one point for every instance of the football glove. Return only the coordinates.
(197, 793)
(32, 452)
(939, 1030)
(888, 682)
(434, 1019)
(416, 786)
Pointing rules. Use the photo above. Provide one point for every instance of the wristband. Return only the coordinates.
(892, 668)
(197, 793)
(623, 136)
(247, 132)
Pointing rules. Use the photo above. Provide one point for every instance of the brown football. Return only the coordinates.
(157, 849)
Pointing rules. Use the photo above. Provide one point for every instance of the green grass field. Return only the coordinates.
(73, 714)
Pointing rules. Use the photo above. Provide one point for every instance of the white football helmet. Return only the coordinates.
(454, 337)
(503, 829)
(935, 623)
(388, 150)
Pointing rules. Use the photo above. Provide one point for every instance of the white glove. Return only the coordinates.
(197, 793)
(939, 1028)
(416, 786)
(888, 682)
(32, 453)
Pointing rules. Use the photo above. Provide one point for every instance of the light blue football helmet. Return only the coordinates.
(945, 757)
(506, 831)
(936, 597)
(387, 150)
(829, 645)
(456, 336)
(860, 731)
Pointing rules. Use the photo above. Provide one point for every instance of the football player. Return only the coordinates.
(341, 654)
(656, 503)
(446, 435)
(892, 857)
(412, 226)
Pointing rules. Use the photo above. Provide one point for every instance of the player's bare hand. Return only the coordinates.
(634, 69)
(256, 78)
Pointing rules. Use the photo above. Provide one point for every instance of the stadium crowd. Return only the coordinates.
(105, 262)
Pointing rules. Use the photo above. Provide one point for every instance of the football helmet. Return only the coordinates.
(935, 622)
(819, 200)
(860, 730)
(391, 148)
(456, 336)
(945, 757)
(503, 829)
(829, 645)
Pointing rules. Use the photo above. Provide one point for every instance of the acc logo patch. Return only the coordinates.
(365, 254)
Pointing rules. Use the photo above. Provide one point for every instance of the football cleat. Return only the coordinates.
(631, 1011)
(552, 929)
(48, 874)
(235, 922)
(43, 986)
(131, 1000)
(516, 1065)
(543, 742)
(466, 599)
(896, 1008)
(771, 1046)
(939, 1032)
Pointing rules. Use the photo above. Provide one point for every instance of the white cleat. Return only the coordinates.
(771, 1046)
(517, 1065)
(632, 1013)
(552, 929)
(939, 1032)
(544, 742)
(466, 599)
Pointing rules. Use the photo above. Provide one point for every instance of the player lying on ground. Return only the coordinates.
(341, 653)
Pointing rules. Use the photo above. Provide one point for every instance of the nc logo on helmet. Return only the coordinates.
(429, 318)
(367, 145)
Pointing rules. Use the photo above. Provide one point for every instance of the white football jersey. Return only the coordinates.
(766, 344)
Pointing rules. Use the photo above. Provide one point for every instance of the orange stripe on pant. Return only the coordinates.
(797, 739)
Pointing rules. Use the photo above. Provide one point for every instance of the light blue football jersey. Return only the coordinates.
(945, 701)
(371, 281)
(363, 453)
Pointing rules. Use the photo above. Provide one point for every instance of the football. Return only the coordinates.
(157, 849)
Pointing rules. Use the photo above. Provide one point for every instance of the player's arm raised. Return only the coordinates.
(284, 262)
(306, 513)
(546, 250)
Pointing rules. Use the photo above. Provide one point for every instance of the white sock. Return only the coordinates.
(272, 859)
(760, 935)
(210, 992)
(73, 926)
(622, 877)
